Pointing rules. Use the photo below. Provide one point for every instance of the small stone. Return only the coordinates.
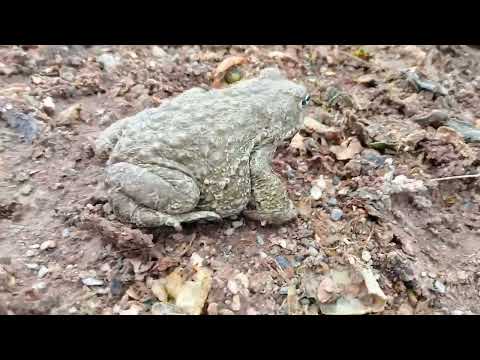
(108, 62)
(72, 310)
(336, 214)
(48, 105)
(34, 246)
(65, 233)
(423, 274)
(439, 287)
(283, 262)
(49, 244)
(462, 275)
(165, 309)
(32, 266)
(212, 309)
(283, 290)
(229, 232)
(260, 240)
(332, 202)
(366, 256)
(305, 301)
(237, 224)
(26, 189)
(232, 285)
(178, 237)
(116, 287)
(30, 253)
(39, 286)
(92, 282)
(42, 271)
(432, 275)
(158, 52)
(311, 252)
(226, 312)
(196, 260)
(457, 312)
(69, 266)
(236, 303)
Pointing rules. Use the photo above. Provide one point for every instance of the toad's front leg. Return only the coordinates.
(269, 194)
(153, 196)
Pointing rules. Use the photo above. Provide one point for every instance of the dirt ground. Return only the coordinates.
(360, 173)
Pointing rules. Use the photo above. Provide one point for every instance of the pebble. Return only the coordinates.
(165, 309)
(311, 251)
(305, 301)
(457, 312)
(229, 232)
(432, 275)
(48, 105)
(49, 244)
(283, 290)
(439, 287)
(178, 236)
(116, 287)
(332, 202)
(423, 274)
(108, 61)
(336, 214)
(65, 233)
(34, 246)
(26, 189)
(32, 266)
(232, 285)
(72, 310)
(236, 305)
(366, 256)
(69, 266)
(30, 253)
(42, 271)
(92, 282)
(39, 286)
(260, 240)
(282, 262)
(237, 224)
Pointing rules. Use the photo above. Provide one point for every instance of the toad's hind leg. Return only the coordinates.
(151, 195)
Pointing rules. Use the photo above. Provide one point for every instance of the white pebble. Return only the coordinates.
(49, 244)
(92, 282)
(42, 271)
(366, 256)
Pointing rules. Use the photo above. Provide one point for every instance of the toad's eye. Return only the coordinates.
(305, 101)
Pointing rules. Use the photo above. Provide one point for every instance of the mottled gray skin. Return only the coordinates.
(204, 154)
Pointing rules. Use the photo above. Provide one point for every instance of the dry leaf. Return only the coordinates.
(348, 149)
(325, 290)
(224, 66)
(193, 294)
(292, 300)
(328, 132)
(298, 143)
(165, 263)
(69, 115)
(158, 289)
(174, 282)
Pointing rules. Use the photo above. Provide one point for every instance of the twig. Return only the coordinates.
(456, 177)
